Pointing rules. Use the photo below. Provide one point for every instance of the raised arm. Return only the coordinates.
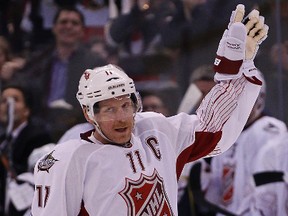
(226, 108)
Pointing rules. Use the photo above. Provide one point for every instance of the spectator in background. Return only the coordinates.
(38, 20)
(135, 26)
(99, 46)
(155, 102)
(54, 73)
(23, 134)
(35, 21)
(201, 81)
(279, 54)
(11, 13)
(8, 63)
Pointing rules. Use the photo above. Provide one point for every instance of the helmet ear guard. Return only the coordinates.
(136, 98)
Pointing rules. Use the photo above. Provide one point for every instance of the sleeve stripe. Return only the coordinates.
(219, 104)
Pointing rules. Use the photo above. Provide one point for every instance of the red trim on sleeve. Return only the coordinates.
(205, 142)
(226, 66)
(254, 80)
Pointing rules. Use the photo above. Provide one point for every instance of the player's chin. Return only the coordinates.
(123, 138)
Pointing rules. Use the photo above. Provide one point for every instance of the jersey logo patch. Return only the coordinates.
(146, 196)
(47, 162)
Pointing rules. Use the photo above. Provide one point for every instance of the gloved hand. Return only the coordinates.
(239, 45)
(231, 49)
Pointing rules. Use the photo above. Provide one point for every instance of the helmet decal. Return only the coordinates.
(116, 86)
(86, 75)
(108, 72)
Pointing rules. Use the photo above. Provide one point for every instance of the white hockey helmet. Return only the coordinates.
(102, 83)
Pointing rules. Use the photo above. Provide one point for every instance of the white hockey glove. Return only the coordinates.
(239, 45)
(231, 49)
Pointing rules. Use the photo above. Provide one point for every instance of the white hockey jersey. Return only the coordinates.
(231, 177)
(271, 193)
(86, 177)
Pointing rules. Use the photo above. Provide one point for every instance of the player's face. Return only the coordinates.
(116, 119)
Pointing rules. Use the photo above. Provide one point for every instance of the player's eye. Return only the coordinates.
(108, 109)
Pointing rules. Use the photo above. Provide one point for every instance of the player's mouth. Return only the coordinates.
(121, 130)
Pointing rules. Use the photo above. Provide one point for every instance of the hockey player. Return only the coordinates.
(231, 172)
(130, 163)
(270, 177)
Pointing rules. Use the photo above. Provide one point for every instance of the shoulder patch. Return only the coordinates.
(46, 163)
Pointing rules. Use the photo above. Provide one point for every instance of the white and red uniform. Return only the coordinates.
(271, 196)
(86, 177)
(231, 172)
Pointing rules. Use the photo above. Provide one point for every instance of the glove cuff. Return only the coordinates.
(226, 66)
(225, 77)
(251, 73)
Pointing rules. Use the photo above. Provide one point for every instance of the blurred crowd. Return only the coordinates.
(46, 45)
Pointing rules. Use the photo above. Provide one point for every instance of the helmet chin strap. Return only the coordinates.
(101, 133)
